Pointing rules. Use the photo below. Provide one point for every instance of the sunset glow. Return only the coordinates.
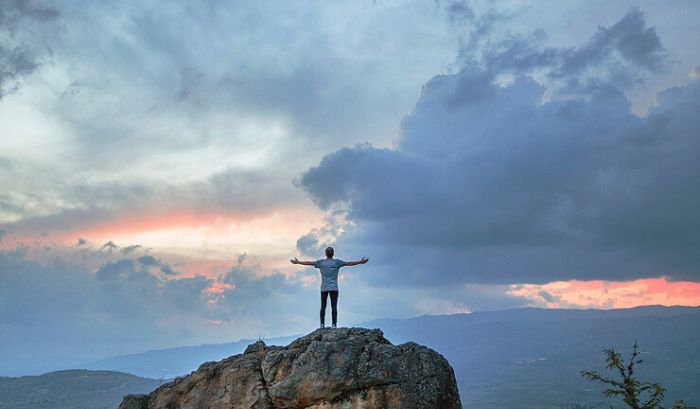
(609, 294)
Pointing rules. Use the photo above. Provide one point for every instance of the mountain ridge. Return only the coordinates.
(220, 350)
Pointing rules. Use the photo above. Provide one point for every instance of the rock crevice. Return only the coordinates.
(326, 369)
(258, 348)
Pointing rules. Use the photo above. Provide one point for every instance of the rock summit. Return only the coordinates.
(326, 369)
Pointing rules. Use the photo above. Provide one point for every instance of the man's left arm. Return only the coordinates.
(363, 260)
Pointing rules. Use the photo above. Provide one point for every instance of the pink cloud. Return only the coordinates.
(609, 294)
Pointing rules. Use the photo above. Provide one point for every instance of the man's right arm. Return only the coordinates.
(305, 263)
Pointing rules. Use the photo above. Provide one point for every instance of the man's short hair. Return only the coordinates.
(329, 250)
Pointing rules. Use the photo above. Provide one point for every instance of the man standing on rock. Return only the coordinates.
(329, 280)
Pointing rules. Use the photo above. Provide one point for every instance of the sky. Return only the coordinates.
(161, 163)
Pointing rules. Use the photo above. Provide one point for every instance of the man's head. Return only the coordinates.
(329, 252)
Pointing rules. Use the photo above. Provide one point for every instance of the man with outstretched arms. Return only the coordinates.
(329, 280)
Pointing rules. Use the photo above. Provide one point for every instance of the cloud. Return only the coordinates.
(110, 246)
(92, 205)
(315, 241)
(148, 261)
(695, 73)
(131, 248)
(151, 261)
(235, 83)
(58, 312)
(22, 51)
(623, 54)
(506, 183)
(251, 294)
(460, 11)
(203, 116)
(133, 267)
(63, 309)
(609, 294)
(167, 270)
(113, 270)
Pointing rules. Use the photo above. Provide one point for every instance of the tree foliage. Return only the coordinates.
(635, 393)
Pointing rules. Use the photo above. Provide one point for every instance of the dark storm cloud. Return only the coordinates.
(622, 53)
(631, 38)
(496, 184)
(21, 48)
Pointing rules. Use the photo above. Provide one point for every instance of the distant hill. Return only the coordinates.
(71, 389)
(530, 358)
(172, 362)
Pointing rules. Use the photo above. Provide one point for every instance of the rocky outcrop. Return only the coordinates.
(327, 369)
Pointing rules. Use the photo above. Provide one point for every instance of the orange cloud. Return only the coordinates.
(189, 233)
(609, 294)
(139, 223)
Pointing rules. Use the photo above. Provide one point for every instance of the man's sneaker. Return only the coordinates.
(323, 326)
(334, 326)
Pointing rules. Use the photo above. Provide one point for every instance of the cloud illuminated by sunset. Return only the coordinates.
(609, 294)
